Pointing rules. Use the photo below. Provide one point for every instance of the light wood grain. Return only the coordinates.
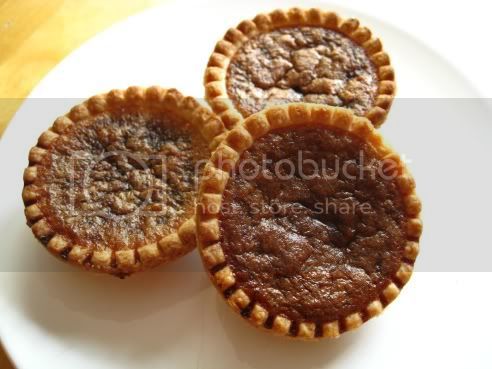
(36, 35)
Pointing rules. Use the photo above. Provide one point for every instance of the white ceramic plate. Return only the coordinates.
(51, 315)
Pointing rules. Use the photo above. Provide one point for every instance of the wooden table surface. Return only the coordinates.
(36, 35)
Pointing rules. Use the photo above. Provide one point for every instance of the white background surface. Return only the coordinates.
(172, 318)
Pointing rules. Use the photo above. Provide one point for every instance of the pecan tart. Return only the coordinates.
(299, 55)
(111, 185)
(307, 223)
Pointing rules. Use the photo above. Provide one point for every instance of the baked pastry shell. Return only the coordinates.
(155, 101)
(214, 181)
(216, 71)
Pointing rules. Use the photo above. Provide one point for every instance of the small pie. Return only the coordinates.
(111, 185)
(299, 55)
(307, 222)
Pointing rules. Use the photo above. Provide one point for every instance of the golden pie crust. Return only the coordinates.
(116, 109)
(218, 173)
(215, 79)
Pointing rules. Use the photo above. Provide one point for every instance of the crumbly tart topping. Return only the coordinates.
(299, 55)
(275, 238)
(111, 185)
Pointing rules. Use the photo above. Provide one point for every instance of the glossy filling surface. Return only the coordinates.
(309, 64)
(306, 238)
(120, 182)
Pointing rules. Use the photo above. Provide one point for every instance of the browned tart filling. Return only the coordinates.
(316, 228)
(313, 248)
(114, 188)
(120, 181)
(299, 55)
(310, 64)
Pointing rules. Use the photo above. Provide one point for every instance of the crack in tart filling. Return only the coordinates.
(111, 185)
(308, 224)
(299, 55)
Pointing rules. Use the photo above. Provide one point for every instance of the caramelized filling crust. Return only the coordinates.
(311, 240)
(120, 181)
(309, 64)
